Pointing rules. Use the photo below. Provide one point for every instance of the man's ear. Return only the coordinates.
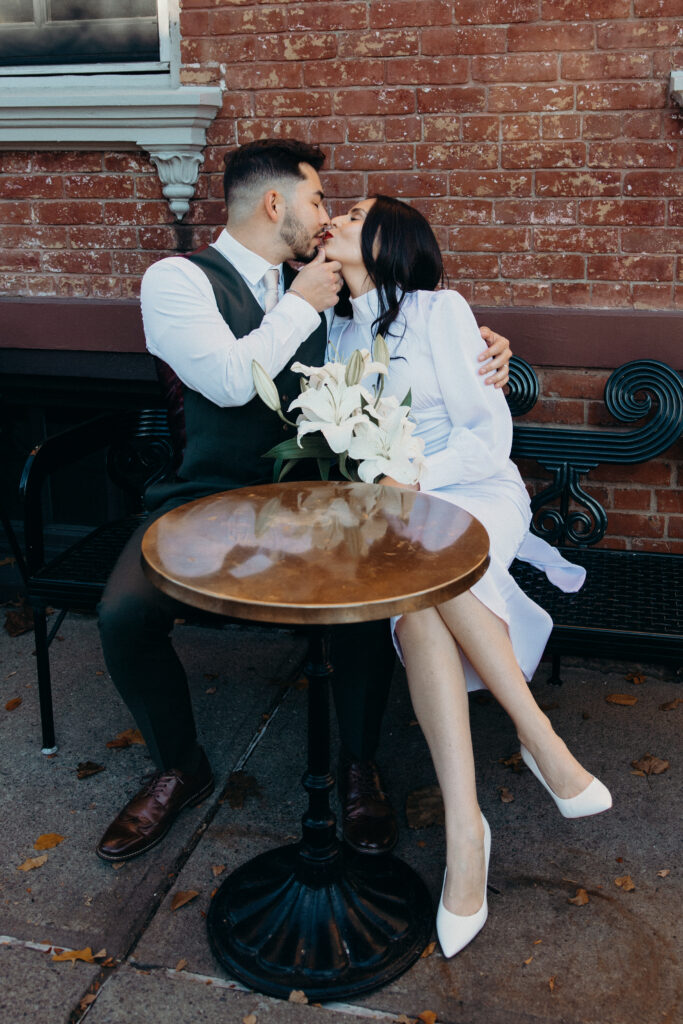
(273, 203)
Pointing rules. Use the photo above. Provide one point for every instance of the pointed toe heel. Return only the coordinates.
(594, 799)
(455, 931)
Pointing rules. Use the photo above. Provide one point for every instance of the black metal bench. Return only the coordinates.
(631, 605)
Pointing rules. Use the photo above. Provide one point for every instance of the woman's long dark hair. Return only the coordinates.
(400, 254)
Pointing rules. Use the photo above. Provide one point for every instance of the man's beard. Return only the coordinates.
(294, 234)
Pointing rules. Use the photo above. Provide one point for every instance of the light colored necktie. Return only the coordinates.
(271, 279)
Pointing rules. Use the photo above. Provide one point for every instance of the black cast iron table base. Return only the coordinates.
(277, 932)
(313, 916)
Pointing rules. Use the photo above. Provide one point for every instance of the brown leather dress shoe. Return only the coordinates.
(368, 819)
(146, 819)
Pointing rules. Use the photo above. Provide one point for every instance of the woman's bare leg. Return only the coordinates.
(484, 639)
(439, 695)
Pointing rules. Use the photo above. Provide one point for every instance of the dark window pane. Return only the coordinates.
(62, 10)
(16, 11)
(81, 32)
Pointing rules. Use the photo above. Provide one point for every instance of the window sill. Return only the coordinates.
(114, 111)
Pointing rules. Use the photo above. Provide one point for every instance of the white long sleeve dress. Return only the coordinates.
(467, 430)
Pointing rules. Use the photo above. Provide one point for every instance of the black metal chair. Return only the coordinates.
(138, 450)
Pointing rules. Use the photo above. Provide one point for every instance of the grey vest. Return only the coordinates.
(225, 446)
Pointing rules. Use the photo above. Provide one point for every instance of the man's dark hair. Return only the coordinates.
(267, 160)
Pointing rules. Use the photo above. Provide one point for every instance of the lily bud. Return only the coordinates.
(380, 351)
(354, 368)
(265, 388)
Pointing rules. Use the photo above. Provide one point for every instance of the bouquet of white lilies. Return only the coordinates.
(341, 421)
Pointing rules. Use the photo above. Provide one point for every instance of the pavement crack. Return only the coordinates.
(80, 1012)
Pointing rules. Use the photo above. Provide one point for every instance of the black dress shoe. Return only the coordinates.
(368, 819)
(146, 819)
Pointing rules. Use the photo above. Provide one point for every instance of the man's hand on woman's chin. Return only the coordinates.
(496, 357)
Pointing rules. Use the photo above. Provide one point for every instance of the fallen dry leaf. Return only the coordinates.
(671, 705)
(211, 675)
(183, 897)
(181, 965)
(625, 882)
(428, 1016)
(551, 983)
(424, 807)
(249, 1019)
(404, 1020)
(625, 699)
(20, 620)
(13, 703)
(514, 762)
(428, 950)
(297, 996)
(506, 795)
(101, 955)
(211, 689)
(84, 769)
(126, 739)
(32, 862)
(527, 962)
(580, 899)
(650, 764)
(636, 678)
(664, 872)
(48, 841)
(87, 1000)
(75, 954)
(217, 869)
(537, 942)
(240, 787)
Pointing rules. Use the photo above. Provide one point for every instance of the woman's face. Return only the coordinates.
(343, 239)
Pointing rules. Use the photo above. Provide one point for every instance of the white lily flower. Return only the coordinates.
(265, 386)
(333, 409)
(386, 448)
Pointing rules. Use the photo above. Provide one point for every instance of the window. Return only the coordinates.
(103, 73)
(41, 36)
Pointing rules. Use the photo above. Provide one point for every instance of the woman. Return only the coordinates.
(493, 634)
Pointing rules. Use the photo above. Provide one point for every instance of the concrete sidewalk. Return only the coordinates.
(613, 960)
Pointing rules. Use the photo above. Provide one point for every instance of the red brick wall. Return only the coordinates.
(536, 135)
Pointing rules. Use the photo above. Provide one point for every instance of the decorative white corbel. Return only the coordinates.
(676, 87)
(116, 112)
(178, 169)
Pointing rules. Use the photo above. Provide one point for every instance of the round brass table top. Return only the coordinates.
(315, 552)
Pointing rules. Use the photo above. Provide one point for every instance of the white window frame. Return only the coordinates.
(676, 87)
(167, 48)
(97, 107)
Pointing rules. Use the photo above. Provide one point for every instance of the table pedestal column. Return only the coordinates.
(314, 915)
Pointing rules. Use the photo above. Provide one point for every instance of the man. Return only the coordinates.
(204, 317)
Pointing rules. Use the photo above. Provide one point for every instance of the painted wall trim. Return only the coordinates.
(546, 336)
(147, 113)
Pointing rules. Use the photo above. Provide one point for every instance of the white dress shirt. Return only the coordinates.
(184, 327)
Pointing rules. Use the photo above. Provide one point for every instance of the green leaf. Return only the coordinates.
(408, 400)
(286, 468)
(343, 468)
(311, 448)
(324, 468)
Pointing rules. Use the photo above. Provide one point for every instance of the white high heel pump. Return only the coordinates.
(455, 931)
(594, 799)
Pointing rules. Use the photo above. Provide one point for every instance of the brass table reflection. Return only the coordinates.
(313, 915)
